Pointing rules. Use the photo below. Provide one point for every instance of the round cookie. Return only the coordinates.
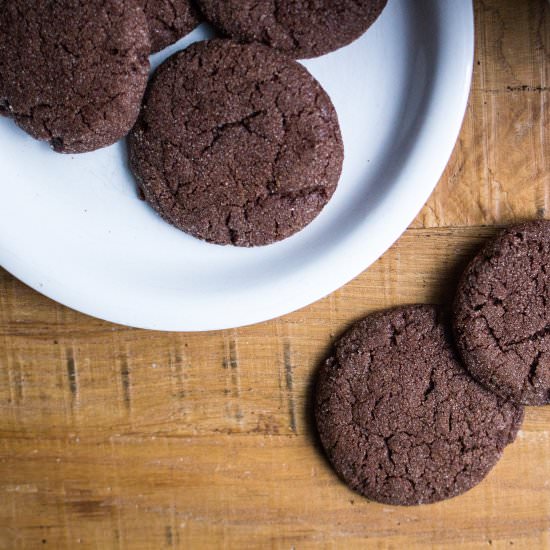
(169, 20)
(502, 314)
(300, 28)
(401, 421)
(77, 85)
(236, 144)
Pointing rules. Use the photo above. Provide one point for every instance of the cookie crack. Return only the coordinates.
(542, 333)
(218, 132)
(533, 367)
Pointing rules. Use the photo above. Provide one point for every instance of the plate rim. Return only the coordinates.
(302, 296)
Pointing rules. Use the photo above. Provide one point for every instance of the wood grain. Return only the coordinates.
(500, 169)
(118, 438)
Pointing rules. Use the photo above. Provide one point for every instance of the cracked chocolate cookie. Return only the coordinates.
(73, 72)
(236, 144)
(502, 314)
(169, 20)
(300, 28)
(401, 420)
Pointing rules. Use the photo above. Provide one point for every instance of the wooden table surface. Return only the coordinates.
(118, 438)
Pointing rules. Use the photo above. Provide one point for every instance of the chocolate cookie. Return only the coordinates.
(169, 20)
(300, 28)
(73, 72)
(401, 420)
(502, 314)
(236, 144)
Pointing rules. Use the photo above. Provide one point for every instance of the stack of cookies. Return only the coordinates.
(407, 413)
(235, 142)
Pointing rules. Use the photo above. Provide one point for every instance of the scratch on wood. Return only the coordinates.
(26, 488)
(71, 373)
(179, 367)
(125, 376)
(169, 536)
(177, 364)
(526, 88)
(514, 89)
(18, 382)
(279, 370)
(231, 363)
(289, 374)
(331, 310)
(91, 508)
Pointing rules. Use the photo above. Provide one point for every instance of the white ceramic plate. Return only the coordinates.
(73, 228)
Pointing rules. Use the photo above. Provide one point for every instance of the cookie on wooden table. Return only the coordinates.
(502, 314)
(236, 144)
(300, 28)
(169, 20)
(400, 418)
(73, 72)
